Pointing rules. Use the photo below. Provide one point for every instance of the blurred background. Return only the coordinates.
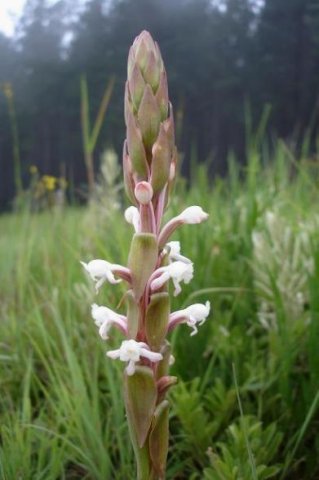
(231, 64)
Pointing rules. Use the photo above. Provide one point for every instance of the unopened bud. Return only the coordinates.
(146, 55)
(164, 383)
(149, 123)
(172, 172)
(143, 192)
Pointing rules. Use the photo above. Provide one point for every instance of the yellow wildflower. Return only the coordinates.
(49, 182)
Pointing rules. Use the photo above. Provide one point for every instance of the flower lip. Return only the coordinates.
(199, 311)
(192, 315)
(104, 318)
(131, 351)
(101, 271)
(177, 271)
(98, 269)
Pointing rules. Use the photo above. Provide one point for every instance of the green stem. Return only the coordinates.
(143, 464)
(142, 456)
(90, 171)
(15, 140)
(146, 469)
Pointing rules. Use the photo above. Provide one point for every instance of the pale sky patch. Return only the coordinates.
(10, 11)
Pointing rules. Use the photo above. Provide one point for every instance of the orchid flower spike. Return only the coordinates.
(150, 161)
(191, 215)
(177, 271)
(131, 351)
(174, 252)
(101, 271)
(132, 216)
(104, 318)
(192, 315)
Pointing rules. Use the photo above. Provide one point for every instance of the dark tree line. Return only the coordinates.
(220, 56)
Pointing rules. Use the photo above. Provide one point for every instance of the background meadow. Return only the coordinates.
(247, 400)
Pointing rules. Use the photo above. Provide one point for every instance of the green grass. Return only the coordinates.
(246, 406)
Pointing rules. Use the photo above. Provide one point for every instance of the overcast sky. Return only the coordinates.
(9, 13)
(10, 10)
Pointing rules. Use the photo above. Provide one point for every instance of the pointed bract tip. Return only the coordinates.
(144, 36)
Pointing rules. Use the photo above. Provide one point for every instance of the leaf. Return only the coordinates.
(136, 148)
(158, 441)
(85, 115)
(163, 366)
(157, 319)
(132, 315)
(140, 399)
(149, 117)
(142, 260)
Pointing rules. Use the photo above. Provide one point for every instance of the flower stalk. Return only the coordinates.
(149, 163)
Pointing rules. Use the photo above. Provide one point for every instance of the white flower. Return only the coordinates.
(105, 317)
(193, 215)
(174, 252)
(197, 313)
(101, 271)
(190, 215)
(132, 216)
(177, 271)
(192, 315)
(131, 351)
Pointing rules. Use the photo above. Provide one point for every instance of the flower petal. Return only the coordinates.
(130, 369)
(104, 330)
(152, 356)
(114, 354)
(193, 215)
(132, 216)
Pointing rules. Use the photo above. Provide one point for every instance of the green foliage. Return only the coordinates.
(194, 420)
(61, 407)
(233, 462)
